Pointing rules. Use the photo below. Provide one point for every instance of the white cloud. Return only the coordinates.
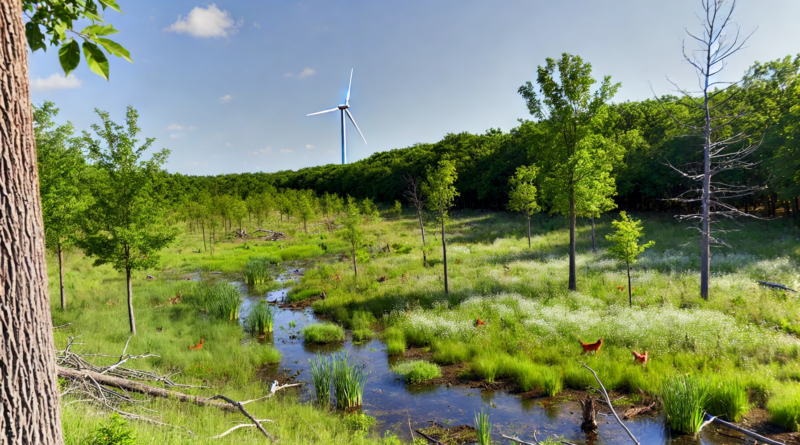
(176, 135)
(229, 144)
(225, 99)
(56, 82)
(256, 25)
(205, 22)
(180, 127)
(285, 150)
(307, 72)
(309, 147)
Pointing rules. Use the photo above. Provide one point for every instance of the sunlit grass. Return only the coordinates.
(417, 371)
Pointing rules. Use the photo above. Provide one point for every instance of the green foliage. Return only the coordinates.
(438, 188)
(260, 319)
(363, 334)
(300, 295)
(522, 197)
(55, 19)
(359, 422)
(417, 371)
(625, 240)
(483, 427)
(727, 398)
(220, 300)
(395, 341)
(353, 232)
(114, 431)
(684, 400)
(321, 379)
(257, 271)
(349, 381)
(323, 333)
(785, 407)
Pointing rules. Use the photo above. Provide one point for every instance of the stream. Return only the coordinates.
(395, 404)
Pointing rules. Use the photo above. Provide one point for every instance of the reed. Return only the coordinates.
(321, 378)
(256, 271)
(219, 300)
(684, 399)
(728, 398)
(260, 319)
(349, 381)
(484, 428)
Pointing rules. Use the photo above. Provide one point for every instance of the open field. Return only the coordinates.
(743, 337)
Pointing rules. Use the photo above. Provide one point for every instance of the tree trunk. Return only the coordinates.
(594, 242)
(211, 241)
(305, 227)
(422, 230)
(630, 289)
(131, 320)
(529, 231)
(705, 241)
(203, 225)
(444, 258)
(30, 410)
(61, 276)
(355, 268)
(589, 410)
(573, 280)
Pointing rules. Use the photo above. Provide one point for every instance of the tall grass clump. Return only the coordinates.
(727, 398)
(349, 381)
(483, 427)
(785, 408)
(684, 399)
(395, 341)
(256, 271)
(220, 300)
(418, 371)
(321, 378)
(323, 333)
(260, 319)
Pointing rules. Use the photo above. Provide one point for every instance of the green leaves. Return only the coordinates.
(69, 55)
(522, 197)
(34, 36)
(625, 240)
(96, 59)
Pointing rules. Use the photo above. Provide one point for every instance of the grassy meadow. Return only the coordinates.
(741, 344)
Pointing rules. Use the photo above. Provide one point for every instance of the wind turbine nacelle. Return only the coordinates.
(344, 107)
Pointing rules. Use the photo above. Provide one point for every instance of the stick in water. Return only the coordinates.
(608, 400)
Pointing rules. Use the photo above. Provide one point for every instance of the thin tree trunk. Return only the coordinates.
(130, 300)
(444, 257)
(355, 267)
(211, 241)
(305, 227)
(61, 276)
(573, 285)
(203, 225)
(529, 231)
(594, 242)
(705, 248)
(630, 290)
(422, 230)
(30, 410)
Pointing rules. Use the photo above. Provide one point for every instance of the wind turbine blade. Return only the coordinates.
(321, 112)
(347, 101)
(354, 123)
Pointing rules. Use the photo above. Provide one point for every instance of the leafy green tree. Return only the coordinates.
(370, 210)
(115, 431)
(50, 23)
(62, 171)
(441, 193)
(522, 197)
(413, 194)
(353, 230)
(578, 159)
(625, 244)
(305, 207)
(124, 223)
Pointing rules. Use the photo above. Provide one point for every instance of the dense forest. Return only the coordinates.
(767, 97)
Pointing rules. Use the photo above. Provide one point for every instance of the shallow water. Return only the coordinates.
(396, 405)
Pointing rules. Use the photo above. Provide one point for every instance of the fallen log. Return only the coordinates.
(756, 436)
(635, 411)
(775, 286)
(140, 388)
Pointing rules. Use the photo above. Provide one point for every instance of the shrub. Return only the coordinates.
(114, 431)
(418, 371)
(785, 408)
(360, 335)
(684, 398)
(260, 319)
(727, 398)
(256, 271)
(323, 333)
(395, 341)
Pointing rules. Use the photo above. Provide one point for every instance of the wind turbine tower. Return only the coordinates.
(344, 108)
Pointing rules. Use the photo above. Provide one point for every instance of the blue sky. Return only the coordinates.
(226, 86)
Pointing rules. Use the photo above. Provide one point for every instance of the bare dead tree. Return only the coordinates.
(416, 199)
(724, 147)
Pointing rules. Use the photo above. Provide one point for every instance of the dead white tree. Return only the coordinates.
(416, 199)
(724, 146)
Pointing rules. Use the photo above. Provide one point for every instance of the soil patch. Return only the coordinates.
(450, 435)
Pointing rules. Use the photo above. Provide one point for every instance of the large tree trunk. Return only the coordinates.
(29, 402)
(131, 320)
(61, 276)
(573, 279)
(705, 242)
(444, 258)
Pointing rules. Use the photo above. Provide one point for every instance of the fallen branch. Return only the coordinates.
(633, 412)
(242, 425)
(756, 436)
(255, 421)
(516, 439)
(428, 438)
(775, 285)
(62, 326)
(608, 401)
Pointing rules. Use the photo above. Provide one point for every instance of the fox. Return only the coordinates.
(587, 347)
(641, 358)
(198, 346)
(479, 322)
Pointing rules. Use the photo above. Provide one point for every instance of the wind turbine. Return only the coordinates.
(344, 109)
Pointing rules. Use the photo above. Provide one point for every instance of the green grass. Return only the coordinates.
(321, 379)
(257, 271)
(727, 398)
(484, 428)
(361, 335)
(395, 341)
(300, 295)
(349, 381)
(417, 371)
(220, 300)
(323, 333)
(785, 407)
(260, 319)
(684, 399)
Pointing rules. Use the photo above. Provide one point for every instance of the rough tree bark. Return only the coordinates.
(29, 402)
